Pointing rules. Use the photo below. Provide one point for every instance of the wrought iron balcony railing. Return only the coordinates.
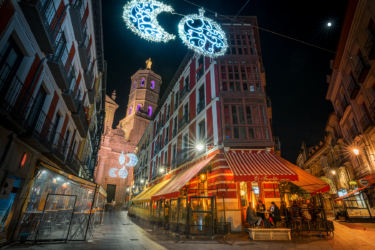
(353, 88)
(59, 147)
(370, 45)
(201, 105)
(182, 156)
(366, 123)
(85, 52)
(344, 104)
(362, 69)
(45, 22)
(73, 162)
(61, 66)
(183, 121)
(185, 90)
(353, 133)
(79, 18)
(16, 101)
(81, 120)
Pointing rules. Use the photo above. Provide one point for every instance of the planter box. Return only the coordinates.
(269, 233)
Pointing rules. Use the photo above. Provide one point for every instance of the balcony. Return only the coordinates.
(183, 122)
(182, 157)
(173, 164)
(339, 114)
(201, 105)
(59, 147)
(165, 142)
(89, 80)
(80, 120)
(157, 148)
(184, 92)
(174, 133)
(155, 173)
(200, 73)
(85, 163)
(71, 96)
(344, 104)
(40, 131)
(84, 53)
(44, 22)
(60, 66)
(366, 124)
(77, 11)
(353, 89)
(370, 45)
(353, 133)
(73, 163)
(362, 69)
(15, 101)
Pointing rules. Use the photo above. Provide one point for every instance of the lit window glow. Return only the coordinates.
(134, 85)
(152, 84)
(139, 107)
(143, 82)
(150, 111)
(141, 17)
(130, 110)
(203, 35)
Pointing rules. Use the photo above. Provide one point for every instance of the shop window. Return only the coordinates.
(243, 194)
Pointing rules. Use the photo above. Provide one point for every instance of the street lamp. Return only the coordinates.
(128, 189)
(333, 172)
(161, 170)
(142, 181)
(199, 147)
(133, 186)
(356, 151)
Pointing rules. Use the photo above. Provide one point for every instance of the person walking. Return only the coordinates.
(251, 216)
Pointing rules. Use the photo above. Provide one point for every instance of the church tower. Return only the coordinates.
(143, 99)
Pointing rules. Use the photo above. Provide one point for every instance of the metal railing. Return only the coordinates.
(344, 104)
(157, 148)
(365, 123)
(183, 121)
(73, 162)
(51, 21)
(41, 127)
(184, 91)
(59, 146)
(361, 67)
(353, 88)
(182, 156)
(353, 133)
(15, 99)
(201, 105)
(370, 44)
(63, 60)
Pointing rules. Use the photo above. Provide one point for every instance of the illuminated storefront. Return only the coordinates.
(59, 207)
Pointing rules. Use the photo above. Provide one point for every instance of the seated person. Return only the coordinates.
(251, 217)
(260, 208)
(275, 213)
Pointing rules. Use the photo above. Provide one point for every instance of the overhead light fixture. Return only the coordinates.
(161, 170)
(199, 147)
(142, 181)
(356, 151)
(333, 172)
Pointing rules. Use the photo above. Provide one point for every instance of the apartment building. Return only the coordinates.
(52, 87)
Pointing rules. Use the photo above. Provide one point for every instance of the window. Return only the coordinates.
(234, 115)
(231, 86)
(202, 131)
(263, 114)
(200, 68)
(168, 111)
(255, 133)
(225, 86)
(176, 101)
(174, 151)
(166, 157)
(227, 115)
(143, 82)
(152, 84)
(223, 73)
(10, 59)
(241, 114)
(166, 134)
(234, 50)
(139, 107)
(186, 82)
(150, 111)
(134, 85)
(266, 134)
(244, 86)
(130, 110)
(228, 133)
(186, 109)
(186, 141)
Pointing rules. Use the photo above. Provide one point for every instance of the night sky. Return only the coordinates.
(295, 72)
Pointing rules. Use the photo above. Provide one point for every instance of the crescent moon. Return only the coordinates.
(141, 17)
(123, 173)
(112, 172)
(133, 160)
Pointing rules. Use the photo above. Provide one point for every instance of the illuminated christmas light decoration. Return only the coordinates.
(133, 160)
(140, 17)
(123, 173)
(203, 35)
(121, 159)
(112, 172)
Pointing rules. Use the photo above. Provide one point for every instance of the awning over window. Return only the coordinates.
(307, 181)
(149, 192)
(173, 188)
(257, 165)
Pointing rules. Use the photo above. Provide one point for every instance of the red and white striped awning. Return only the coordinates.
(258, 165)
(173, 188)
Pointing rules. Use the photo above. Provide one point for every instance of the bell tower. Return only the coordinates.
(143, 99)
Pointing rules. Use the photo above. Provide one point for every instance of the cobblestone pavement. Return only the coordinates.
(118, 232)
